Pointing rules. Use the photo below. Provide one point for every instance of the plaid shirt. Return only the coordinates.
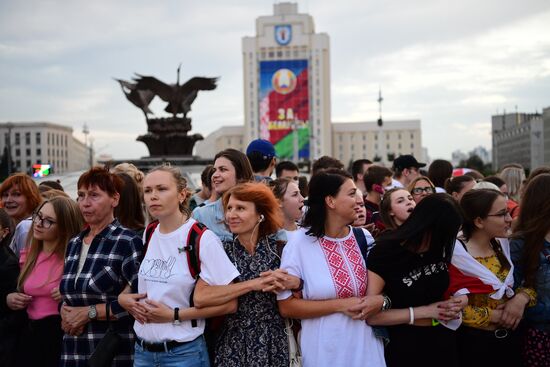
(112, 263)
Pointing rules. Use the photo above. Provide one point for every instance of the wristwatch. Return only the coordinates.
(386, 303)
(176, 316)
(92, 312)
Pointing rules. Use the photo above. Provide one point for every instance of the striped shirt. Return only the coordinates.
(112, 263)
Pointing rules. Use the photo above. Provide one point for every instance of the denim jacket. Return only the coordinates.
(212, 216)
(537, 316)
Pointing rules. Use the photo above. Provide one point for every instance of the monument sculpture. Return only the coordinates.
(167, 136)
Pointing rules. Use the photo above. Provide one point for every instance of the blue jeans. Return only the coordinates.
(192, 354)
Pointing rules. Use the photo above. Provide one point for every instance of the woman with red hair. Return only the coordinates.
(20, 197)
(256, 332)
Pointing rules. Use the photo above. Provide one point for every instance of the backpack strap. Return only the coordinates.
(361, 241)
(193, 249)
(193, 257)
(148, 234)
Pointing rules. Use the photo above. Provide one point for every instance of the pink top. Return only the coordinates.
(45, 276)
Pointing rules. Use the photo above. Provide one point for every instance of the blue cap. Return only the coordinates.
(261, 146)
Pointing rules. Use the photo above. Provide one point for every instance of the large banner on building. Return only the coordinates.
(284, 106)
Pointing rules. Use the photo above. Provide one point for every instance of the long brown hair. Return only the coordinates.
(533, 224)
(69, 222)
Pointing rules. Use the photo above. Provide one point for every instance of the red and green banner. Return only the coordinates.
(284, 106)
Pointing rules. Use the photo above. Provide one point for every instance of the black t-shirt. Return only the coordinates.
(412, 279)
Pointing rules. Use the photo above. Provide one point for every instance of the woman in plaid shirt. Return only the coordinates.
(100, 262)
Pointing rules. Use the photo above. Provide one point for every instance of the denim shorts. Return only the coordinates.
(192, 354)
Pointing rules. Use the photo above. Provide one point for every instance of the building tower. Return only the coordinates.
(287, 84)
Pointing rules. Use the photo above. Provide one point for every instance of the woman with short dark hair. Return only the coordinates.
(327, 254)
(100, 262)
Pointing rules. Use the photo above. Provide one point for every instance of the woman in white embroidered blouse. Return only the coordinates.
(326, 254)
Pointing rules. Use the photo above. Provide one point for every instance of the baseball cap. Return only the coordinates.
(261, 146)
(406, 161)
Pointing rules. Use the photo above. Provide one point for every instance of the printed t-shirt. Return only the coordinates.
(164, 276)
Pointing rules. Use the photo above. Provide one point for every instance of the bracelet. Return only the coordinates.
(300, 287)
(411, 316)
(435, 322)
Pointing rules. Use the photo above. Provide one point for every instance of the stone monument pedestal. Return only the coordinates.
(167, 136)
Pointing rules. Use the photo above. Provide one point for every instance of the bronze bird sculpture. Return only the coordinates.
(179, 97)
(139, 97)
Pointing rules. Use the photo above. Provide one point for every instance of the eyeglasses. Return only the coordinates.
(37, 218)
(503, 214)
(420, 190)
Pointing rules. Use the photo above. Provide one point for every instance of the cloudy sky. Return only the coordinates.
(451, 64)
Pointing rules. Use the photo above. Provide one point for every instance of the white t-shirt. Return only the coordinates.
(332, 268)
(164, 276)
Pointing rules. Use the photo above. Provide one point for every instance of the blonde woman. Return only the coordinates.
(53, 224)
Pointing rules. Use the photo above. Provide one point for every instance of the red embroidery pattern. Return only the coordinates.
(345, 282)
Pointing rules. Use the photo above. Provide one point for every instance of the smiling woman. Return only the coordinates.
(20, 196)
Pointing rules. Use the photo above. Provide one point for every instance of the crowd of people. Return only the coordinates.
(367, 267)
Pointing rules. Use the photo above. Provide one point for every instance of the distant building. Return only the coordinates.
(482, 153)
(350, 140)
(43, 143)
(356, 140)
(286, 70)
(223, 138)
(457, 156)
(519, 138)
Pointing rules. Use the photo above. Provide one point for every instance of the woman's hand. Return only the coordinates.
(18, 301)
(130, 302)
(368, 306)
(158, 312)
(442, 311)
(56, 295)
(74, 317)
(348, 304)
(279, 280)
(512, 311)
(461, 301)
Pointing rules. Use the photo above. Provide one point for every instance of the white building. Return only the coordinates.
(287, 84)
(223, 138)
(350, 140)
(356, 140)
(43, 143)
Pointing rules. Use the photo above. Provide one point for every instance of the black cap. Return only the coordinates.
(406, 161)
